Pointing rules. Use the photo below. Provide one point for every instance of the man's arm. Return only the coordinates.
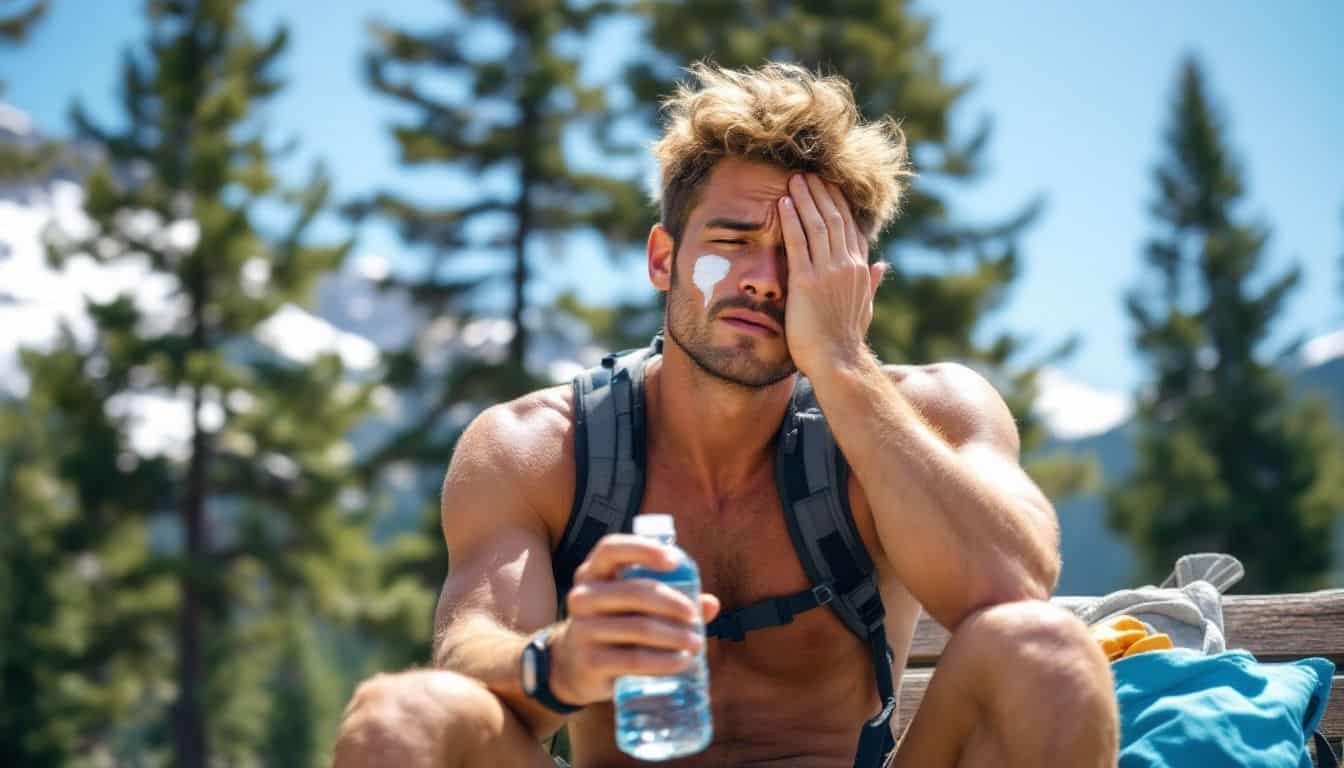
(511, 463)
(500, 589)
(960, 522)
(935, 450)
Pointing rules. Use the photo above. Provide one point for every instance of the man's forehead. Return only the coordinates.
(743, 191)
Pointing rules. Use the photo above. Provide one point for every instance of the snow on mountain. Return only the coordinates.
(1323, 349)
(1073, 409)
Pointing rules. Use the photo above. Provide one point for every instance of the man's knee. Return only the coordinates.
(420, 718)
(1036, 657)
(1033, 645)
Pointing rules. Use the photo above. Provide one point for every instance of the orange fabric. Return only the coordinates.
(1153, 642)
(1126, 636)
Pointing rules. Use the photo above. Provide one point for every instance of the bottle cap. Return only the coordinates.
(654, 525)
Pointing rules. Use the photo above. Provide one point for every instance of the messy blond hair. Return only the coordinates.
(787, 116)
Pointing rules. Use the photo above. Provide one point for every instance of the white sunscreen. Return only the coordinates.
(710, 268)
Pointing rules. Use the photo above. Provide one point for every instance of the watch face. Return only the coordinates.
(529, 670)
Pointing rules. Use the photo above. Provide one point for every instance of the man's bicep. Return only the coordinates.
(499, 560)
(972, 417)
(507, 577)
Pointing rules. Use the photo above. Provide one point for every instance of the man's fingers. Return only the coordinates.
(836, 247)
(795, 242)
(709, 606)
(643, 631)
(878, 271)
(818, 240)
(852, 236)
(643, 596)
(617, 551)
(614, 661)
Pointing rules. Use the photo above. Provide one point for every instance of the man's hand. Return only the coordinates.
(618, 627)
(829, 301)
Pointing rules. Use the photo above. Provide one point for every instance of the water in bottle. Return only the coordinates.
(659, 718)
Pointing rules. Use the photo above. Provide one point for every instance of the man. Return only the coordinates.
(772, 189)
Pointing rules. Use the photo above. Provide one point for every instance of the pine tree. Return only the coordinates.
(83, 618)
(523, 99)
(247, 518)
(945, 275)
(1228, 461)
(500, 141)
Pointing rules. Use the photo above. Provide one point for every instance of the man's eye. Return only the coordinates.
(731, 242)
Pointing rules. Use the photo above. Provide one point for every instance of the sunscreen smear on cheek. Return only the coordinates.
(710, 268)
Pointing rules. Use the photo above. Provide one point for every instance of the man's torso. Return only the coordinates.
(797, 694)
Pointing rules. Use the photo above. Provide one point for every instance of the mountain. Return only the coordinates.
(1096, 560)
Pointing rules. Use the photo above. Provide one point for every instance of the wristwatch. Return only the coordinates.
(536, 670)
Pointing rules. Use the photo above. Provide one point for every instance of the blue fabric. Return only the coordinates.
(1182, 709)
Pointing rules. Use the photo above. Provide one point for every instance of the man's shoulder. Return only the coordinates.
(537, 417)
(953, 398)
(520, 435)
(523, 446)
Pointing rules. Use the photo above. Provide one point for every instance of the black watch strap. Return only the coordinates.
(541, 689)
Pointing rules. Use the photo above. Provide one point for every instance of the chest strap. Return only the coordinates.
(771, 612)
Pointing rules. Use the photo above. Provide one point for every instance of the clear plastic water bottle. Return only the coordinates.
(659, 718)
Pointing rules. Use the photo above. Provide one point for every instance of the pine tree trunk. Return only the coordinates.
(189, 742)
(523, 216)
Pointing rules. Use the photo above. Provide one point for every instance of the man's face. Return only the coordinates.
(725, 303)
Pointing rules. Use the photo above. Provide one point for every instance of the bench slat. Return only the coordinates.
(1273, 627)
(916, 681)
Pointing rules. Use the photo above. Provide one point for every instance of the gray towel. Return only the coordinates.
(1188, 606)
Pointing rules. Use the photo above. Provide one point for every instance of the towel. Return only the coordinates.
(1182, 708)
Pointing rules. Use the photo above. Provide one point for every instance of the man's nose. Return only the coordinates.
(765, 277)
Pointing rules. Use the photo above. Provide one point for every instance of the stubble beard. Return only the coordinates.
(739, 365)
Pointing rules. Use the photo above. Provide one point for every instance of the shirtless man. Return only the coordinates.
(770, 174)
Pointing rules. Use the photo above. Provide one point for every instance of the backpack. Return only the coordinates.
(812, 478)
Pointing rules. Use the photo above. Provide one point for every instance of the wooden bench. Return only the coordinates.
(1273, 627)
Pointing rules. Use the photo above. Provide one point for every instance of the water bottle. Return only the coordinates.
(659, 718)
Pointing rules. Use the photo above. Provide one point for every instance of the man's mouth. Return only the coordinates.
(751, 323)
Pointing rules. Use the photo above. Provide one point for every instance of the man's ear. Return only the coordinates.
(659, 250)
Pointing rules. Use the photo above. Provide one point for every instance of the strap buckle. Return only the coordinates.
(881, 718)
(823, 593)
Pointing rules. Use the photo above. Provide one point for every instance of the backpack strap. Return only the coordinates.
(813, 480)
(608, 457)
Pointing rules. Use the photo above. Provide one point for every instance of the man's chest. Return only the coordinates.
(740, 540)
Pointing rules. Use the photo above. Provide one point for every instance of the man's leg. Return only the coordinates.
(432, 719)
(1019, 684)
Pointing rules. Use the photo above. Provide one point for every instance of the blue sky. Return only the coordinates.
(1078, 94)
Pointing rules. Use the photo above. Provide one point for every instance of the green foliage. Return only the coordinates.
(946, 276)
(1228, 460)
(523, 101)
(623, 326)
(158, 589)
(82, 619)
(306, 703)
